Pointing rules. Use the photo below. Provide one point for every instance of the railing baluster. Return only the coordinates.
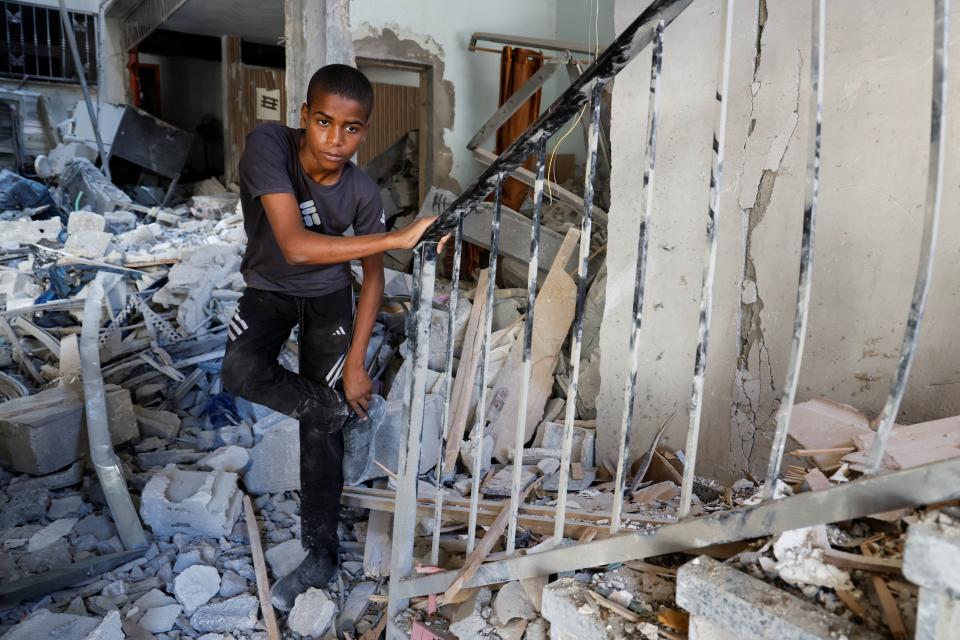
(709, 271)
(481, 415)
(817, 50)
(447, 386)
(411, 424)
(571, 404)
(931, 219)
(526, 365)
(646, 210)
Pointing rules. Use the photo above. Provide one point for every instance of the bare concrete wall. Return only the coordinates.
(875, 153)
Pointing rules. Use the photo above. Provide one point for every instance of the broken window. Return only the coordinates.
(33, 43)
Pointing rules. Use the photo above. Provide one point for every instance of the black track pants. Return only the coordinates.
(251, 370)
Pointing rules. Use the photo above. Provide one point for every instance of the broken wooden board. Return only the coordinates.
(466, 376)
(911, 445)
(553, 314)
(823, 424)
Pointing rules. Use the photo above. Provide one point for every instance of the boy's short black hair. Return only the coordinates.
(344, 81)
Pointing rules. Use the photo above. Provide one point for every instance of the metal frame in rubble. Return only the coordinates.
(924, 485)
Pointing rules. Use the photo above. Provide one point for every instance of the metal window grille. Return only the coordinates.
(34, 45)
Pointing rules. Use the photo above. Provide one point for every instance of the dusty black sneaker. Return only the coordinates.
(316, 570)
(358, 438)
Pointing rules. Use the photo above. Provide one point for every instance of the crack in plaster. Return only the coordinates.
(748, 415)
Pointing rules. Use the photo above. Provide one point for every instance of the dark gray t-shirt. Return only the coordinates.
(271, 164)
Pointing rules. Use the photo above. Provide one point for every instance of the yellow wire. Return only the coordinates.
(595, 36)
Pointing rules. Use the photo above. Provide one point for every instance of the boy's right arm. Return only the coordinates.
(302, 247)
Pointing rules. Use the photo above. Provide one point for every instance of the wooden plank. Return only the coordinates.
(553, 314)
(891, 612)
(853, 603)
(465, 379)
(260, 568)
(912, 445)
(376, 548)
(18, 353)
(822, 424)
(846, 560)
(485, 546)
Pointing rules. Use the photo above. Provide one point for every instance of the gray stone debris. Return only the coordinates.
(512, 602)
(235, 614)
(160, 619)
(50, 534)
(192, 502)
(285, 557)
(469, 620)
(270, 471)
(62, 507)
(312, 613)
(231, 458)
(355, 605)
(196, 585)
(64, 626)
(232, 584)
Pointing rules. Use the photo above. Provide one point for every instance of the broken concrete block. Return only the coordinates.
(63, 507)
(552, 483)
(41, 433)
(195, 586)
(27, 231)
(191, 502)
(931, 559)
(80, 175)
(88, 244)
(153, 598)
(85, 221)
(583, 442)
(285, 557)
(232, 584)
(512, 602)
(101, 527)
(235, 614)
(160, 619)
(468, 450)
(742, 605)
(548, 466)
(50, 534)
(502, 482)
(572, 613)
(121, 417)
(232, 458)
(312, 613)
(270, 469)
(59, 626)
(468, 620)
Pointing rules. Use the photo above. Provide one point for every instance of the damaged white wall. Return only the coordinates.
(875, 152)
(445, 33)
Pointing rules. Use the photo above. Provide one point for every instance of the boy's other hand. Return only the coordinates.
(357, 388)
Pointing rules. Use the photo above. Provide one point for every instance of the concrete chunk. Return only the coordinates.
(65, 626)
(85, 221)
(50, 534)
(312, 613)
(747, 607)
(512, 602)
(231, 458)
(235, 614)
(285, 557)
(153, 422)
(196, 585)
(572, 613)
(931, 557)
(160, 619)
(191, 502)
(88, 244)
(270, 469)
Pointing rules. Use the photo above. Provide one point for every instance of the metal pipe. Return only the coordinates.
(817, 50)
(526, 365)
(105, 461)
(94, 122)
(710, 268)
(447, 387)
(646, 212)
(931, 219)
(411, 425)
(481, 415)
(571, 404)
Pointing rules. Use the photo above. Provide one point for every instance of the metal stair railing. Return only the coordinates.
(923, 485)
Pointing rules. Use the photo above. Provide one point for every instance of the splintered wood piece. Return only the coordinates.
(588, 534)
(485, 546)
(846, 560)
(260, 568)
(613, 606)
(891, 613)
(646, 567)
(576, 471)
(377, 631)
(463, 382)
(852, 602)
(679, 620)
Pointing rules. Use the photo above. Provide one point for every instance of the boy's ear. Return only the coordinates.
(304, 112)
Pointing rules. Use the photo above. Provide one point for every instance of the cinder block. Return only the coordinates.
(41, 433)
(572, 613)
(736, 603)
(191, 502)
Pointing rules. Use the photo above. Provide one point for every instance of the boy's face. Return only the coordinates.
(335, 126)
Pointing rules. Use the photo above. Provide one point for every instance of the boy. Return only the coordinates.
(300, 193)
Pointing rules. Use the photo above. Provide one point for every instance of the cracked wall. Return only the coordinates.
(875, 153)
